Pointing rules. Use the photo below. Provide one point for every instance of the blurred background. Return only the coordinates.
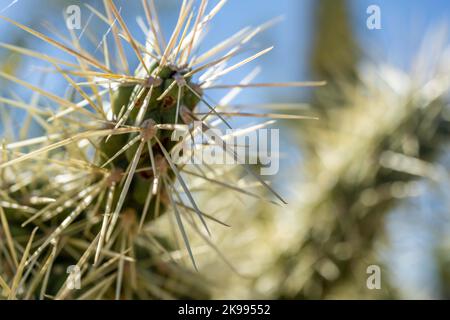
(367, 184)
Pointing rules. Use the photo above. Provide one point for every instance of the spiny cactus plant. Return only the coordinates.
(87, 193)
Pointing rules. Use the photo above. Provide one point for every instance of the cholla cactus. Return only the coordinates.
(363, 158)
(388, 136)
(90, 189)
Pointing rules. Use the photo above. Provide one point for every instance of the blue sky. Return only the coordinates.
(404, 24)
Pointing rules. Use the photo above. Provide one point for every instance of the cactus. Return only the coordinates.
(88, 193)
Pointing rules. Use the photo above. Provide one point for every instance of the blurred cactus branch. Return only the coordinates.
(380, 132)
